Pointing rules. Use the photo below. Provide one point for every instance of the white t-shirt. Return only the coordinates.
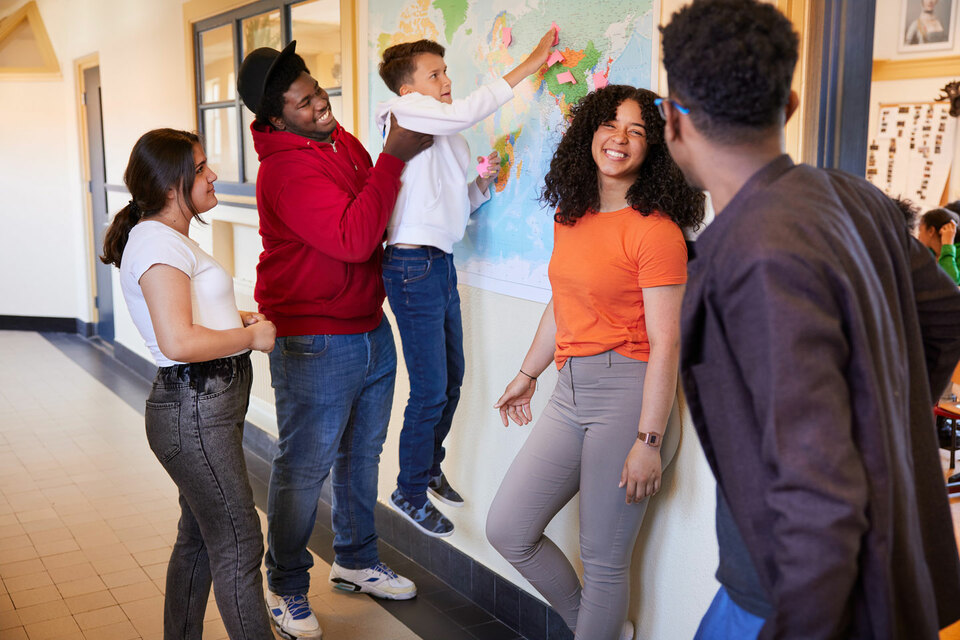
(211, 287)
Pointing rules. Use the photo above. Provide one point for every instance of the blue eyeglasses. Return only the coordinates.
(676, 105)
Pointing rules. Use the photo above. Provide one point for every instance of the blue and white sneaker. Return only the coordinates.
(377, 580)
(427, 518)
(292, 616)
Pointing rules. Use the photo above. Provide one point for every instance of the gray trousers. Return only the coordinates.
(579, 444)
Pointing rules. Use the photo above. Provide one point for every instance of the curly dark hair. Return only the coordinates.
(571, 185)
(271, 104)
(400, 61)
(910, 211)
(731, 63)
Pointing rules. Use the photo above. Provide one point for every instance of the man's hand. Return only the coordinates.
(405, 144)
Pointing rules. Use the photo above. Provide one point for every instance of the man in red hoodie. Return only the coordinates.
(323, 209)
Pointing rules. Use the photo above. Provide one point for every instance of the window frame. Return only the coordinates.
(234, 18)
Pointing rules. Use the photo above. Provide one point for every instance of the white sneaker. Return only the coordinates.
(377, 580)
(292, 616)
(627, 632)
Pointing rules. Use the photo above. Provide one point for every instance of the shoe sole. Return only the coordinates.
(449, 503)
(286, 635)
(417, 524)
(352, 587)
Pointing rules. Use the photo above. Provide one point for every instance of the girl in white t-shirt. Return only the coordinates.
(181, 300)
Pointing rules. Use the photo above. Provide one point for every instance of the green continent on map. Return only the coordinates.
(454, 14)
(569, 92)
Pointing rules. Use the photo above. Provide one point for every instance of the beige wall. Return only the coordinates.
(143, 64)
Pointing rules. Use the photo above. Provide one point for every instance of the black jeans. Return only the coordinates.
(194, 421)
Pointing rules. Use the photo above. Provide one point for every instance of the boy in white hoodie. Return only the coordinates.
(430, 216)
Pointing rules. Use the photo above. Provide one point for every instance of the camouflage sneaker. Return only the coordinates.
(427, 518)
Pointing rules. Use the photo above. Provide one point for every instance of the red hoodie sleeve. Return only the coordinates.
(332, 220)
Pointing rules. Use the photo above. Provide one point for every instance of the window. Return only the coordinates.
(222, 42)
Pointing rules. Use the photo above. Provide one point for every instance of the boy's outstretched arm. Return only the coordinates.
(425, 114)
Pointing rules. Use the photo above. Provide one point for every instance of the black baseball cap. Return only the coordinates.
(255, 72)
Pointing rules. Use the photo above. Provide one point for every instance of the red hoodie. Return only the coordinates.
(323, 210)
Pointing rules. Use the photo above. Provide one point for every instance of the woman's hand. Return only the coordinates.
(493, 170)
(641, 472)
(515, 401)
(948, 233)
(262, 334)
(251, 317)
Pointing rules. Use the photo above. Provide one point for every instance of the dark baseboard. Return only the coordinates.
(135, 361)
(41, 324)
(86, 329)
(47, 324)
(513, 607)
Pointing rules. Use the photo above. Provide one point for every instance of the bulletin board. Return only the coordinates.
(911, 151)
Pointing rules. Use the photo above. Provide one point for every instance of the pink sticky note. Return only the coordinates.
(483, 166)
(556, 33)
(507, 36)
(599, 80)
(554, 58)
(566, 77)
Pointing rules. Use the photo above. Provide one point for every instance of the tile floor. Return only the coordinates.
(88, 517)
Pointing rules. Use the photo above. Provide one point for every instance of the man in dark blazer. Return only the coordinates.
(816, 335)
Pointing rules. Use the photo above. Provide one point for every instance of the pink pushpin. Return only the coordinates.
(484, 166)
(556, 34)
(554, 58)
(507, 36)
(599, 80)
(566, 78)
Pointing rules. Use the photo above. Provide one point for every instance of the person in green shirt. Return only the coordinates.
(937, 231)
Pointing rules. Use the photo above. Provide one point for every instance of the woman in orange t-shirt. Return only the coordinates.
(618, 270)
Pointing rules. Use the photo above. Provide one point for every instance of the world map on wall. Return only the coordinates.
(507, 246)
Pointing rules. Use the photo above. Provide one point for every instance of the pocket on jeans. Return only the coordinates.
(305, 346)
(417, 271)
(163, 429)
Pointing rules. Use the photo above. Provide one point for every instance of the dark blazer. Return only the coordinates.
(816, 334)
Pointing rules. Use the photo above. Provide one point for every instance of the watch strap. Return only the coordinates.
(649, 439)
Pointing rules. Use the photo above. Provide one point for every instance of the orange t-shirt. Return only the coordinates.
(598, 270)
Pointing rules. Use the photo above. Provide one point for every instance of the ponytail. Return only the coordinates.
(117, 234)
(161, 160)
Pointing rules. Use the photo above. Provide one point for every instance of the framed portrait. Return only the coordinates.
(927, 25)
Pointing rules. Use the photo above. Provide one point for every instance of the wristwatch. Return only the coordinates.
(649, 439)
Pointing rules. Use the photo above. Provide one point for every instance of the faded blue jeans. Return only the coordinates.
(421, 286)
(333, 394)
(194, 418)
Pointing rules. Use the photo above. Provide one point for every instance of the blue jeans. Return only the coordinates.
(334, 394)
(421, 285)
(725, 620)
(194, 418)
